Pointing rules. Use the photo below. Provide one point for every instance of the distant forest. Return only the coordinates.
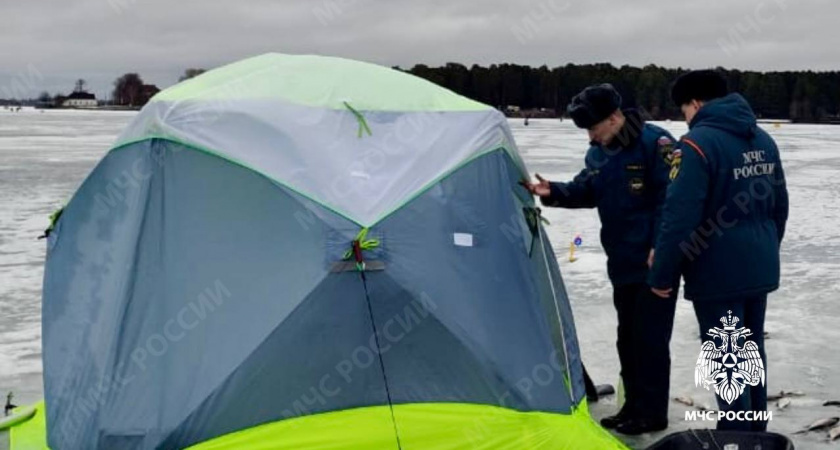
(812, 97)
(797, 96)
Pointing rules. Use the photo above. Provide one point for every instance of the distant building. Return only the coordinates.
(79, 99)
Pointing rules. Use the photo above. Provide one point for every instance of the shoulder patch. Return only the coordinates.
(676, 159)
(666, 149)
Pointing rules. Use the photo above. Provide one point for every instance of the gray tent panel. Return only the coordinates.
(484, 335)
(321, 358)
(168, 263)
(424, 360)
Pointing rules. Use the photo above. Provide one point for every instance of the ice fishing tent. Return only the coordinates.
(307, 252)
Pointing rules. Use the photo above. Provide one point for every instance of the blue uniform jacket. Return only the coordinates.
(627, 182)
(726, 209)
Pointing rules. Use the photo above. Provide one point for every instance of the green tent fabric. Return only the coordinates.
(309, 252)
(429, 425)
(31, 434)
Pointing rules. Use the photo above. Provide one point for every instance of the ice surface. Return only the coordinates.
(45, 156)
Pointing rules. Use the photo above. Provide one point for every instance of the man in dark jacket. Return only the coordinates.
(626, 177)
(722, 225)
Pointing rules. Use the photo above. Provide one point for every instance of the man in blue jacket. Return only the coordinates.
(722, 225)
(625, 177)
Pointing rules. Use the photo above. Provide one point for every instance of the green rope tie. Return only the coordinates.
(364, 244)
(53, 219)
(541, 217)
(363, 126)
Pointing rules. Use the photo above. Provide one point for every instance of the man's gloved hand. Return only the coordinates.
(543, 189)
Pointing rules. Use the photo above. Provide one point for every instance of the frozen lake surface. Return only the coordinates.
(45, 156)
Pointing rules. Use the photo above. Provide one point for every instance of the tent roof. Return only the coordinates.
(357, 138)
(320, 81)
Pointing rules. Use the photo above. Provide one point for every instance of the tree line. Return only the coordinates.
(803, 96)
(129, 91)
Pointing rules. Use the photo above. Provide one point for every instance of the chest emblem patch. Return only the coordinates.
(666, 149)
(637, 185)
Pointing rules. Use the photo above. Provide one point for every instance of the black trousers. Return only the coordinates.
(750, 312)
(645, 322)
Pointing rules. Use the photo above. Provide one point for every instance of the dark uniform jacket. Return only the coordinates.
(726, 209)
(626, 182)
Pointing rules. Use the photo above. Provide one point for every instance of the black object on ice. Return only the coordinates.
(9, 406)
(714, 439)
(832, 403)
(591, 391)
(605, 389)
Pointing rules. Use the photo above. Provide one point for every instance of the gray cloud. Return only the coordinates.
(101, 39)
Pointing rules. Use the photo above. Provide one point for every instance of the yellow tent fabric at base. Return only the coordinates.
(455, 426)
(432, 426)
(32, 434)
(361, 428)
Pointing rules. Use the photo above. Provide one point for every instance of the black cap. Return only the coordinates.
(593, 105)
(702, 85)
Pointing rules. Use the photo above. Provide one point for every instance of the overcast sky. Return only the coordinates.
(46, 44)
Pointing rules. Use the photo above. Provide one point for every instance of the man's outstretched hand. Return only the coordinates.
(543, 189)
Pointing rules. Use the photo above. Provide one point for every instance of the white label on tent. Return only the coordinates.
(463, 239)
